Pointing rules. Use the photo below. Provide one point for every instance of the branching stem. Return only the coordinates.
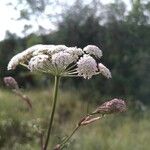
(69, 137)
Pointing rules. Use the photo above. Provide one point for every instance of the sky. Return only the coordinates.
(8, 17)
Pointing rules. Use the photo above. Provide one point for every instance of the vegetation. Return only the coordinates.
(123, 35)
(18, 125)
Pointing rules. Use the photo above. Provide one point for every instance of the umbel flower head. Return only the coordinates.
(60, 60)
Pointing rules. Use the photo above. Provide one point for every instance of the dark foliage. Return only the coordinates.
(123, 37)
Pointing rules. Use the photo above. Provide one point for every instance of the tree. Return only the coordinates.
(137, 14)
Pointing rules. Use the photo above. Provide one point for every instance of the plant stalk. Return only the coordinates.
(69, 137)
(56, 84)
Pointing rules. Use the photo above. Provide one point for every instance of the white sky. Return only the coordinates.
(8, 16)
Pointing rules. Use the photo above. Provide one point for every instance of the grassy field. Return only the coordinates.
(20, 127)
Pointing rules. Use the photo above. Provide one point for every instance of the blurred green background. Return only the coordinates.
(122, 30)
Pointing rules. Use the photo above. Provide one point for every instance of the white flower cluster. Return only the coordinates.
(62, 60)
(93, 50)
(75, 52)
(38, 62)
(104, 70)
(87, 66)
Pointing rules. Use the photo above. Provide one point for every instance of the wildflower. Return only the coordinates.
(104, 70)
(61, 60)
(11, 82)
(112, 106)
(37, 62)
(87, 66)
(75, 52)
(93, 50)
(43, 49)
(15, 61)
(58, 48)
(34, 48)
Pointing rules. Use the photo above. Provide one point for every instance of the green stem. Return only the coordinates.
(72, 133)
(69, 137)
(52, 112)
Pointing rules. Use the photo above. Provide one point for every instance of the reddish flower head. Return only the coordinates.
(112, 106)
(10, 82)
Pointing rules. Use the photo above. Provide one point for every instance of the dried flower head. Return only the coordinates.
(62, 60)
(112, 106)
(11, 82)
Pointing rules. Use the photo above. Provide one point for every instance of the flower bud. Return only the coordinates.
(11, 82)
(112, 106)
(88, 120)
